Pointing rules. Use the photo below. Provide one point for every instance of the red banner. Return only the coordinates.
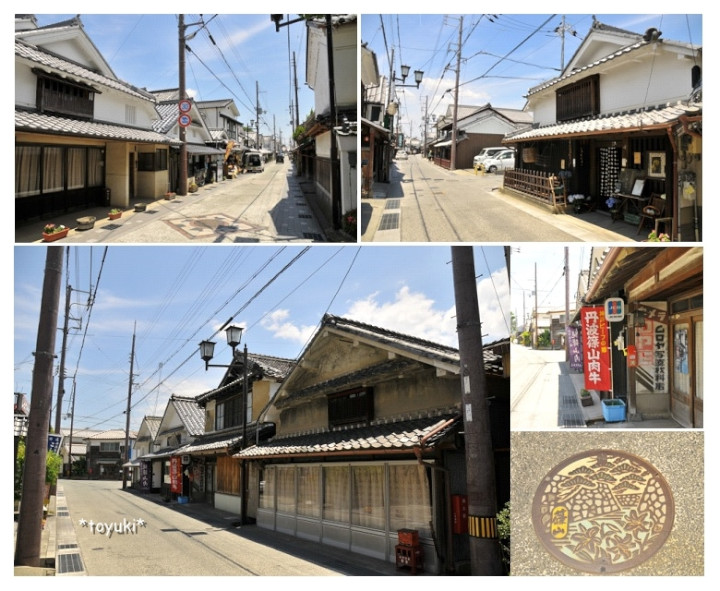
(596, 351)
(176, 474)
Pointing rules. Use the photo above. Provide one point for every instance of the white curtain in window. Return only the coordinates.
(409, 498)
(95, 167)
(76, 168)
(308, 499)
(52, 169)
(368, 496)
(267, 488)
(27, 171)
(286, 489)
(336, 497)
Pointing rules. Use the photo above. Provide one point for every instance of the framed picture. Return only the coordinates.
(656, 165)
(638, 188)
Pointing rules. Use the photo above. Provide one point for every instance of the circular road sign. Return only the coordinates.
(184, 120)
(185, 106)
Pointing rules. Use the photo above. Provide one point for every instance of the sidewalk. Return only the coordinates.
(571, 413)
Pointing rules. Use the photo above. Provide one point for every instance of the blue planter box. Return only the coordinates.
(182, 500)
(613, 410)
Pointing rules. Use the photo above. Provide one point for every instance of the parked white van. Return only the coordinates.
(486, 153)
(253, 161)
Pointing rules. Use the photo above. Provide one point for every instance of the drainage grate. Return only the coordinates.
(63, 514)
(111, 226)
(66, 546)
(69, 563)
(305, 216)
(393, 204)
(313, 236)
(300, 203)
(389, 221)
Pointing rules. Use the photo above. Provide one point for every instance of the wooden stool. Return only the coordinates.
(411, 556)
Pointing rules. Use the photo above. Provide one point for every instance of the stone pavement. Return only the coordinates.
(216, 213)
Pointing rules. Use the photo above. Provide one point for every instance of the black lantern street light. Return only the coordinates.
(405, 72)
(207, 350)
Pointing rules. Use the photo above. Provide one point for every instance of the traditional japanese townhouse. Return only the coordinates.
(74, 450)
(477, 128)
(182, 422)
(376, 149)
(657, 347)
(83, 137)
(105, 453)
(216, 474)
(622, 121)
(369, 440)
(142, 476)
(204, 158)
(228, 133)
(327, 148)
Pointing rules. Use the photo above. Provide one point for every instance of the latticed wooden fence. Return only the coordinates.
(540, 185)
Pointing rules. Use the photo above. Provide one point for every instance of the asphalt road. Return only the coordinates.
(426, 203)
(534, 388)
(165, 541)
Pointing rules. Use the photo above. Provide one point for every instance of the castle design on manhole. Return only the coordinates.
(603, 511)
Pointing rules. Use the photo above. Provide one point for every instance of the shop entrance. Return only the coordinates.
(687, 361)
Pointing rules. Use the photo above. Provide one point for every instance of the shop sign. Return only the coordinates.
(614, 309)
(632, 357)
(574, 348)
(651, 342)
(54, 442)
(145, 476)
(596, 350)
(176, 474)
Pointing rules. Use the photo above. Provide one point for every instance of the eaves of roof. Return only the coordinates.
(402, 437)
(55, 63)
(648, 119)
(33, 122)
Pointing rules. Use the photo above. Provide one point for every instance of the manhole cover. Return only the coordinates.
(603, 511)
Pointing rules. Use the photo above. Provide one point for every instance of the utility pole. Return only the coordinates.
(566, 270)
(334, 162)
(183, 164)
(297, 107)
(485, 557)
(61, 376)
(258, 111)
(127, 413)
(29, 531)
(535, 332)
(453, 145)
(243, 445)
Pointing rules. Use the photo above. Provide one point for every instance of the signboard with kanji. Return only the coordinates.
(574, 348)
(176, 474)
(596, 350)
(145, 476)
(54, 442)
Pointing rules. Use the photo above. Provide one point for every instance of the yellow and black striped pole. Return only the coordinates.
(482, 527)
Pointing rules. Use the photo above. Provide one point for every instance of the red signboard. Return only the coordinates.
(596, 351)
(632, 356)
(176, 474)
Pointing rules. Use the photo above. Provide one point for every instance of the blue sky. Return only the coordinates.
(531, 50)
(142, 49)
(176, 296)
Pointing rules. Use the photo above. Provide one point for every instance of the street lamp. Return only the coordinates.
(405, 72)
(207, 350)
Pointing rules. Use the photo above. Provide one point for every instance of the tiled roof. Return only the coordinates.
(659, 117)
(42, 123)
(402, 436)
(112, 434)
(192, 416)
(56, 63)
(227, 440)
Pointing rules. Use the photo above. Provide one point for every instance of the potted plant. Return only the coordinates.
(115, 213)
(193, 187)
(349, 223)
(586, 397)
(653, 236)
(51, 232)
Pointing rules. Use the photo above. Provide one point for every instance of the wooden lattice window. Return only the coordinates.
(581, 99)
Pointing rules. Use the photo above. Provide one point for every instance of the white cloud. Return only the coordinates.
(276, 322)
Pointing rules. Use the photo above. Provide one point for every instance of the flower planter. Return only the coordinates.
(140, 206)
(55, 235)
(586, 400)
(613, 410)
(115, 216)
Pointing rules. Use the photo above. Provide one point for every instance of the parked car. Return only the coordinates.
(253, 161)
(486, 153)
(279, 157)
(501, 161)
(401, 155)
